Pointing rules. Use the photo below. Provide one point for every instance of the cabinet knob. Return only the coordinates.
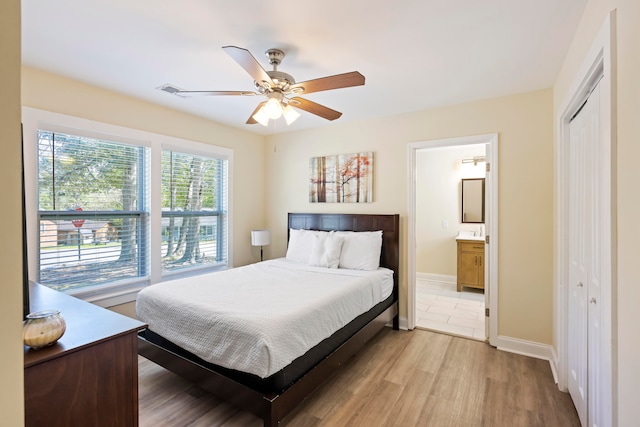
(579, 284)
(593, 300)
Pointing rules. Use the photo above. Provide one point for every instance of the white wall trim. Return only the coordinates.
(403, 323)
(34, 119)
(554, 364)
(525, 348)
(491, 141)
(114, 297)
(444, 278)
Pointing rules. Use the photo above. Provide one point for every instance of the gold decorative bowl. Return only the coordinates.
(43, 328)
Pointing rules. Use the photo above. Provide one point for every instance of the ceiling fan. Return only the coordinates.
(280, 89)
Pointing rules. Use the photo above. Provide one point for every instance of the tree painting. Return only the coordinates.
(343, 178)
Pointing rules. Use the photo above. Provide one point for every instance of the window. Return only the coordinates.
(194, 212)
(112, 209)
(92, 210)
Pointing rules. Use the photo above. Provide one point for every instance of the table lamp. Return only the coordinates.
(260, 238)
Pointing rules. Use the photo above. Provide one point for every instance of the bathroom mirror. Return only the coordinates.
(473, 200)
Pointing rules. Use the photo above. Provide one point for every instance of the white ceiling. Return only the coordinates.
(415, 54)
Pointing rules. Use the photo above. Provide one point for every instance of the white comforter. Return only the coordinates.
(260, 317)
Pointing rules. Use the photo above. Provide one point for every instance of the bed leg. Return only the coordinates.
(271, 421)
(396, 322)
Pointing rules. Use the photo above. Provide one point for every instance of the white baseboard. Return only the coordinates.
(532, 349)
(526, 348)
(404, 323)
(518, 346)
(444, 278)
(554, 364)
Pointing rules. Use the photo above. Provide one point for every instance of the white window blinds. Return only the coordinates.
(93, 214)
(194, 211)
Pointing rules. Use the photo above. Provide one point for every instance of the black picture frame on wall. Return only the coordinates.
(26, 306)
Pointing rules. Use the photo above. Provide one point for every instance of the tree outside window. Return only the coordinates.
(194, 210)
(94, 211)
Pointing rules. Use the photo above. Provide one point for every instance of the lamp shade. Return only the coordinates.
(260, 237)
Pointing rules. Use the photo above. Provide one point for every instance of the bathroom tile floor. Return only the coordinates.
(439, 307)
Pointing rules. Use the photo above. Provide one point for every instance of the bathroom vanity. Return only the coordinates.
(470, 262)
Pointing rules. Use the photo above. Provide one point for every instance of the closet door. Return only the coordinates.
(578, 274)
(589, 343)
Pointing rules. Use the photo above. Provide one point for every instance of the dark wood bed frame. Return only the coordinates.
(275, 406)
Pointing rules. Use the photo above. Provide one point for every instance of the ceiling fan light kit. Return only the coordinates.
(290, 115)
(261, 117)
(274, 109)
(280, 88)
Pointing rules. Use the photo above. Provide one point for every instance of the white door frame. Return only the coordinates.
(491, 225)
(599, 61)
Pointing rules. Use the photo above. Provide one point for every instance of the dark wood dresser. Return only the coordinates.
(90, 376)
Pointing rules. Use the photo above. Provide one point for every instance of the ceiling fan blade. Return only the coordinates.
(338, 81)
(313, 108)
(251, 120)
(188, 93)
(244, 58)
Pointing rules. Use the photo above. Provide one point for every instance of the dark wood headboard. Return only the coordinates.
(389, 224)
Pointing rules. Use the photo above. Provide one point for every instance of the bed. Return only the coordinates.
(262, 381)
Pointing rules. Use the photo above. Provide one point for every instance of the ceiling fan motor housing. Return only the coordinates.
(282, 80)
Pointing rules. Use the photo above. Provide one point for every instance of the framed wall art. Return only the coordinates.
(343, 178)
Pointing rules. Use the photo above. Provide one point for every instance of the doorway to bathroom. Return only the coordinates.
(452, 264)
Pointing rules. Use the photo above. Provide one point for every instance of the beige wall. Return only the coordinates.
(54, 93)
(524, 124)
(438, 198)
(11, 360)
(626, 341)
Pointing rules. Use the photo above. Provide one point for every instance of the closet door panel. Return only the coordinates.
(578, 269)
(590, 265)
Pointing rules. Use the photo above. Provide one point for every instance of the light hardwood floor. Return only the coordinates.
(400, 378)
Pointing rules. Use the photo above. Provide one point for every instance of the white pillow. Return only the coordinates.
(326, 251)
(361, 250)
(301, 244)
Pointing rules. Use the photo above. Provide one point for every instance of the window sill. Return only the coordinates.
(110, 296)
(125, 292)
(194, 271)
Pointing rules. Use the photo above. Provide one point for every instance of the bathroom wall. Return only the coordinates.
(438, 210)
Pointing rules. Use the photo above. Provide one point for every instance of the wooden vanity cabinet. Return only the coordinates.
(470, 264)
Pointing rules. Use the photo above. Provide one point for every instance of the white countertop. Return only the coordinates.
(476, 238)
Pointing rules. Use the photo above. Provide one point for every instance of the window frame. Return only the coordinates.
(141, 213)
(172, 274)
(124, 291)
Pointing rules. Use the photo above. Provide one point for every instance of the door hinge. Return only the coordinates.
(488, 167)
(486, 239)
(486, 312)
